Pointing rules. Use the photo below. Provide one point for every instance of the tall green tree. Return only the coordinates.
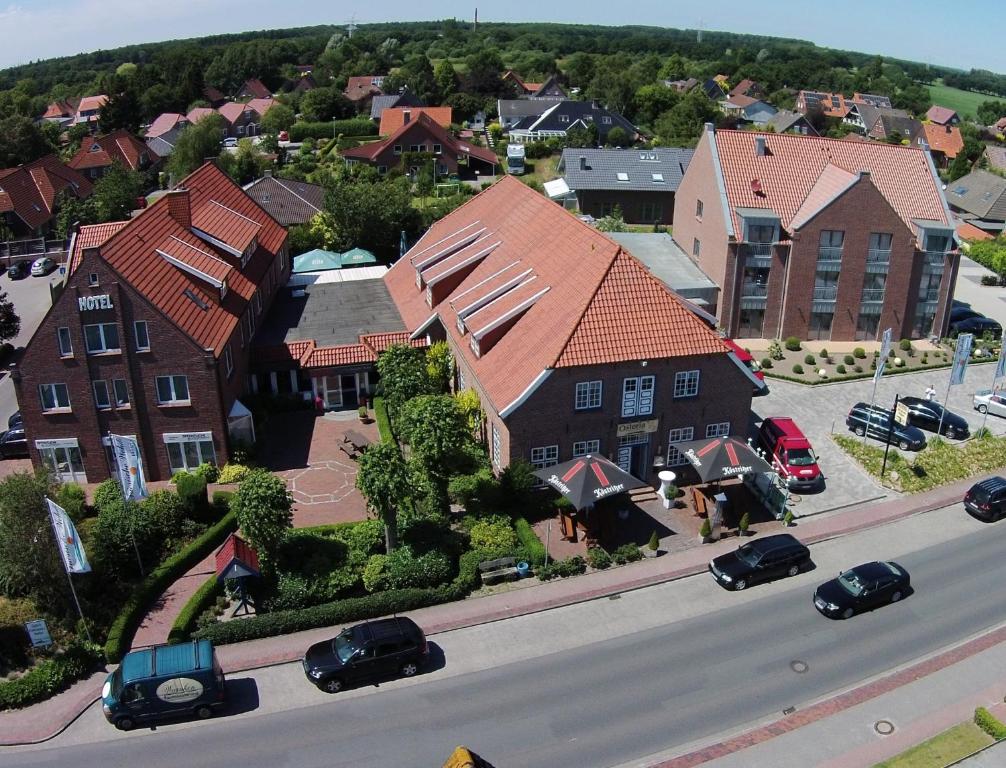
(10, 323)
(437, 432)
(264, 510)
(115, 194)
(989, 112)
(440, 366)
(323, 104)
(21, 141)
(446, 79)
(122, 110)
(682, 125)
(278, 118)
(384, 480)
(403, 375)
(197, 144)
(485, 71)
(371, 214)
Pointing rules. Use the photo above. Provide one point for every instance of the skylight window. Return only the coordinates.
(622, 176)
(960, 190)
(658, 177)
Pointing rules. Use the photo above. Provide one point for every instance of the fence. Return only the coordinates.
(32, 248)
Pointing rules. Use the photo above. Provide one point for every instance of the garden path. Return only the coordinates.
(157, 623)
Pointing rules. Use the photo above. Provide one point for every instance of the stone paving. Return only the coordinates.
(157, 623)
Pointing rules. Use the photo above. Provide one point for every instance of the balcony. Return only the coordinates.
(878, 256)
(825, 292)
(829, 253)
(763, 250)
(753, 291)
(936, 257)
(930, 295)
(873, 295)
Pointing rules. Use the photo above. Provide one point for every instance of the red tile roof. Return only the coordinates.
(90, 103)
(30, 191)
(827, 102)
(344, 354)
(792, 167)
(230, 227)
(968, 231)
(198, 113)
(163, 123)
(187, 249)
(362, 87)
(255, 88)
(393, 118)
(427, 128)
(261, 106)
(118, 146)
(940, 115)
(91, 236)
(944, 138)
(381, 341)
(233, 110)
(293, 353)
(832, 182)
(742, 88)
(573, 298)
(60, 109)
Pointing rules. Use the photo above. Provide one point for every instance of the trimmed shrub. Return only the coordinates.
(840, 368)
(990, 280)
(196, 606)
(407, 571)
(707, 529)
(326, 130)
(493, 534)
(798, 368)
(858, 369)
(375, 575)
(207, 471)
(192, 494)
(221, 503)
(990, 724)
(571, 566)
(232, 473)
(849, 360)
(810, 359)
(905, 345)
(793, 344)
(50, 677)
(823, 354)
(107, 495)
(775, 350)
(859, 353)
(766, 362)
(72, 498)
(383, 421)
(598, 559)
(627, 553)
(529, 541)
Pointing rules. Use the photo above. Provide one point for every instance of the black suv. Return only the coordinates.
(927, 414)
(372, 651)
(987, 500)
(875, 422)
(760, 560)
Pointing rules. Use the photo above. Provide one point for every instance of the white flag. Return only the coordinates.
(129, 466)
(70, 548)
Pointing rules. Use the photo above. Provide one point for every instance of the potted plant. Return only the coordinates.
(787, 519)
(742, 526)
(705, 531)
(363, 413)
(652, 546)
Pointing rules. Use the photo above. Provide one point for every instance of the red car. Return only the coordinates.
(748, 362)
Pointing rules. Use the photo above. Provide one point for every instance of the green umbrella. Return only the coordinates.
(317, 260)
(358, 256)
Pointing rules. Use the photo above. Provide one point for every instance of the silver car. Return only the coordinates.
(987, 401)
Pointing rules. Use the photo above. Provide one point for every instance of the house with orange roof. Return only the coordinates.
(394, 118)
(360, 90)
(830, 104)
(748, 87)
(62, 111)
(818, 238)
(945, 142)
(98, 153)
(89, 109)
(30, 194)
(151, 334)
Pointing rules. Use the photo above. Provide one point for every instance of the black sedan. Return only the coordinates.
(19, 270)
(861, 588)
(13, 444)
(979, 326)
(926, 414)
(15, 420)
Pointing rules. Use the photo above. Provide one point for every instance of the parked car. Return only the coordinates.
(963, 313)
(230, 142)
(372, 651)
(42, 267)
(790, 452)
(976, 325)
(13, 444)
(878, 423)
(863, 587)
(14, 420)
(987, 500)
(284, 136)
(760, 560)
(987, 401)
(19, 270)
(926, 414)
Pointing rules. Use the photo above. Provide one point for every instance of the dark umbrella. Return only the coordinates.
(718, 458)
(586, 480)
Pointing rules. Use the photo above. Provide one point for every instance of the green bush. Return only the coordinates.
(793, 344)
(654, 542)
(849, 360)
(858, 369)
(766, 362)
(598, 559)
(192, 494)
(375, 575)
(120, 634)
(383, 421)
(326, 130)
(905, 345)
(810, 359)
(529, 542)
(775, 350)
(493, 534)
(571, 566)
(406, 570)
(859, 353)
(990, 724)
(221, 503)
(107, 495)
(207, 471)
(232, 473)
(72, 498)
(50, 677)
(798, 368)
(823, 354)
(840, 368)
(706, 530)
(196, 606)
(627, 553)
(148, 527)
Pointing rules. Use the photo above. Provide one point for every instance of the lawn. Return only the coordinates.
(948, 747)
(966, 103)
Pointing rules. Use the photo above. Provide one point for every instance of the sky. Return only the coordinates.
(931, 31)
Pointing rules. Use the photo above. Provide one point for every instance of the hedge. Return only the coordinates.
(888, 371)
(50, 677)
(990, 724)
(120, 635)
(383, 421)
(204, 597)
(529, 541)
(346, 611)
(301, 131)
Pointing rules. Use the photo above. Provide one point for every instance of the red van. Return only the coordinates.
(790, 452)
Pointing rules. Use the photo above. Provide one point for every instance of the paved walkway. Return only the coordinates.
(157, 623)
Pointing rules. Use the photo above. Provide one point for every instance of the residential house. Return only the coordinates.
(245, 119)
(980, 198)
(198, 113)
(550, 89)
(165, 122)
(289, 202)
(425, 135)
(1000, 125)
(214, 96)
(405, 98)
(942, 115)
(748, 109)
(30, 194)
(969, 232)
(785, 121)
(97, 154)
(895, 122)
(151, 335)
(561, 116)
(829, 104)
(88, 110)
(512, 111)
(252, 88)
(61, 112)
(819, 238)
(748, 87)
(721, 81)
(304, 69)
(520, 89)
(712, 89)
(302, 83)
(639, 182)
(995, 156)
(360, 90)
(873, 99)
(682, 86)
(395, 117)
(944, 141)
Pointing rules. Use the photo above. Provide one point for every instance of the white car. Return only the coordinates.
(230, 142)
(42, 267)
(987, 401)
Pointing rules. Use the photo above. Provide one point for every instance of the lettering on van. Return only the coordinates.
(179, 690)
(103, 301)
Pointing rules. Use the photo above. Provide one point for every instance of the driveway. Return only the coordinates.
(989, 300)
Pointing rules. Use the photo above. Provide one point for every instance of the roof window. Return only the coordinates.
(658, 178)
(622, 176)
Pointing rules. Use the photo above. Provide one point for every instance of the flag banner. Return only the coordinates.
(885, 348)
(129, 466)
(70, 548)
(961, 357)
(1001, 367)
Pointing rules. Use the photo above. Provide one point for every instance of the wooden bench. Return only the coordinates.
(349, 450)
(501, 569)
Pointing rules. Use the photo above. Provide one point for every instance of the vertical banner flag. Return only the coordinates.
(961, 357)
(885, 348)
(129, 466)
(402, 245)
(1001, 367)
(70, 548)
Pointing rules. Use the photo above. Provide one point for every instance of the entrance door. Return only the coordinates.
(331, 391)
(65, 462)
(633, 455)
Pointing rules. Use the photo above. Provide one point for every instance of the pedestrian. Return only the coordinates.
(930, 393)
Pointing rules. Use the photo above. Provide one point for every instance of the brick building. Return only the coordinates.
(151, 332)
(818, 238)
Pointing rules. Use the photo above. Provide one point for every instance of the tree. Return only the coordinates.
(196, 144)
(323, 104)
(612, 223)
(682, 124)
(115, 194)
(652, 101)
(989, 112)
(445, 78)
(439, 366)
(383, 479)
(959, 167)
(278, 118)
(618, 137)
(485, 70)
(21, 141)
(371, 213)
(580, 69)
(437, 433)
(913, 97)
(263, 508)
(122, 110)
(403, 375)
(10, 323)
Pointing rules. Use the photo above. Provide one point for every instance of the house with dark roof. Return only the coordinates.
(785, 121)
(405, 98)
(829, 104)
(980, 198)
(512, 111)
(252, 88)
(748, 87)
(30, 194)
(151, 334)
(164, 145)
(360, 90)
(873, 99)
(894, 122)
(98, 153)
(995, 156)
(289, 202)
(777, 220)
(550, 89)
(748, 110)
(638, 182)
(681, 86)
(943, 115)
(945, 142)
(561, 116)
(214, 96)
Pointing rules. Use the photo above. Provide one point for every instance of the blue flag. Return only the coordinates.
(70, 548)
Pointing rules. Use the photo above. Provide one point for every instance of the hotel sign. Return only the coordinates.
(637, 428)
(87, 303)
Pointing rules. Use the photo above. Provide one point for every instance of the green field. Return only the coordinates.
(965, 103)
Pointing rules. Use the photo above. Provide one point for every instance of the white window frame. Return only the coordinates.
(175, 400)
(57, 405)
(397, 149)
(228, 360)
(437, 149)
(102, 400)
(544, 456)
(678, 435)
(686, 384)
(64, 342)
(497, 448)
(137, 325)
(588, 395)
(637, 395)
(205, 452)
(120, 393)
(586, 448)
(720, 429)
(104, 343)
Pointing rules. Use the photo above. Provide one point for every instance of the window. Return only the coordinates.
(65, 347)
(142, 339)
(718, 430)
(761, 233)
(258, 303)
(415, 148)
(461, 376)
(250, 322)
(382, 169)
(266, 198)
(186, 453)
(54, 396)
(121, 392)
(437, 149)
(398, 149)
(820, 325)
(605, 120)
(544, 457)
(830, 245)
(101, 395)
(497, 449)
(658, 178)
(228, 361)
(586, 448)
(92, 279)
(651, 212)
(637, 396)
(686, 383)
(698, 209)
(755, 282)
(622, 176)
(563, 118)
(103, 337)
(696, 247)
(681, 435)
(172, 389)
(588, 395)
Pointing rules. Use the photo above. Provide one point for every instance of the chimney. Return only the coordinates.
(180, 207)
(760, 146)
(406, 115)
(583, 163)
(267, 173)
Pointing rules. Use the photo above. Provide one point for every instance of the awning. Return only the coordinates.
(240, 424)
(317, 260)
(586, 480)
(356, 256)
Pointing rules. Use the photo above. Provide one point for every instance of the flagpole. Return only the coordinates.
(73, 591)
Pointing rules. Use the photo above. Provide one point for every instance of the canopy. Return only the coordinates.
(356, 256)
(241, 424)
(586, 480)
(717, 458)
(317, 261)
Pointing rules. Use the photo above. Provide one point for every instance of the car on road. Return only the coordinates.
(760, 560)
(878, 423)
(987, 401)
(13, 444)
(987, 500)
(42, 267)
(861, 588)
(367, 652)
(926, 414)
(19, 270)
(15, 420)
(979, 326)
(230, 142)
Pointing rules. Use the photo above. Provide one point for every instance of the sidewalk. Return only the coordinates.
(45, 720)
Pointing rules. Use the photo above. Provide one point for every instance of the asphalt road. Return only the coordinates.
(600, 703)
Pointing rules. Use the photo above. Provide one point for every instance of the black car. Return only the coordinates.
(987, 500)
(13, 444)
(760, 560)
(979, 326)
(372, 651)
(926, 414)
(15, 420)
(19, 270)
(878, 423)
(860, 588)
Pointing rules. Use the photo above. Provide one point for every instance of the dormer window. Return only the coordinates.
(398, 149)
(95, 148)
(461, 326)
(92, 279)
(474, 344)
(563, 118)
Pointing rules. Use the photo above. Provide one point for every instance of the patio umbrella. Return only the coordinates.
(317, 260)
(717, 458)
(356, 256)
(586, 480)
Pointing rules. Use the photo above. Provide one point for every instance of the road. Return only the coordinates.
(597, 684)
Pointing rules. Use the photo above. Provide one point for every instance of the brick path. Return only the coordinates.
(157, 623)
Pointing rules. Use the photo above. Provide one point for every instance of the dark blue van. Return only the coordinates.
(164, 681)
